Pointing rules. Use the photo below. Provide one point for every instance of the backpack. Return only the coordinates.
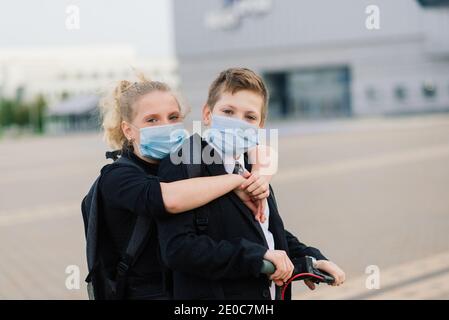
(102, 284)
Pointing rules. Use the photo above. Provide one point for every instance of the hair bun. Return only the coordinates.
(124, 85)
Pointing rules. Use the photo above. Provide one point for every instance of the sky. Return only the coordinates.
(145, 24)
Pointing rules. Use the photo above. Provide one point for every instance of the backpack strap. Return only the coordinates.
(139, 238)
(191, 158)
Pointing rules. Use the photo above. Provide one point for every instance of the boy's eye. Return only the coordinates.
(151, 120)
(253, 118)
(227, 111)
(174, 117)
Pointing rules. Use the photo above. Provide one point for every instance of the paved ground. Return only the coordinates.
(367, 192)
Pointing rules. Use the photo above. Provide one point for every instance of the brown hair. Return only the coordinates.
(118, 106)
(236, 79)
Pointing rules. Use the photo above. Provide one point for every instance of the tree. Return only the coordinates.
(6, 112)
(38, 110)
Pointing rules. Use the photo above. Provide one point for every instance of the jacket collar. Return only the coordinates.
(217, 168)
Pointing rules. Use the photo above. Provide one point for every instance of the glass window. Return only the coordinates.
(310, 93)
(371, 94)
(429, 90)
(276, 83)
(400, 93)
(320, 92)
(432, 3)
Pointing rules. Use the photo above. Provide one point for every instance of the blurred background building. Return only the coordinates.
(319, 60)
(70, 79)
(58, 72)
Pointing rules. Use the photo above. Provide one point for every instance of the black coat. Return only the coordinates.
(225, 262)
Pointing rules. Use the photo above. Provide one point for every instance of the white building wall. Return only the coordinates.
(78, 70)
(410, 49)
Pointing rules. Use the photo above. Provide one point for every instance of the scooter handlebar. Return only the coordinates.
(302, 265)
(267, 267)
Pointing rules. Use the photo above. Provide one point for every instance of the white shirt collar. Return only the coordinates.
(229, 163)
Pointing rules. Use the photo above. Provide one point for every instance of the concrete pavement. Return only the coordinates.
(366, 192)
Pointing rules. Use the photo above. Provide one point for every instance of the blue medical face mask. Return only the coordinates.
(232, 137)
(159, 141)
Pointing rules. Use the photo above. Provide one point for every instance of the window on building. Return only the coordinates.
(400, 93)
(429, 90)
(433, 3)
(20, 93)
(321, 92)
(64, 95)
(371, 94)
(279, 104)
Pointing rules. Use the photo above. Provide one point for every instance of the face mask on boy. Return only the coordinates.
(232, 137)
(159, 141)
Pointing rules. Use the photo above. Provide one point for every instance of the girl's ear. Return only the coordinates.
(127, 131)
(207, 115)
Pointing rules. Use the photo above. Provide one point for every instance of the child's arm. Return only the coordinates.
(185, 195)
(257, 187)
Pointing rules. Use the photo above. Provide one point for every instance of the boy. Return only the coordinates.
(216, 251)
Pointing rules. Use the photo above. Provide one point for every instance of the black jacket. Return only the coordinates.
(225, 262)
(125, 193)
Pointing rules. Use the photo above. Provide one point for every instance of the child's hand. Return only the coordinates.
(257, 207)
(260, 216)
(257, 186)
(283, 264)
(246, 199)
(333, 270)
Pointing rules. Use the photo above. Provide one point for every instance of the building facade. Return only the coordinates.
(322, 58)
(61, 72)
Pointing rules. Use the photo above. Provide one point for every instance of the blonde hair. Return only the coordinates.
(118, 106)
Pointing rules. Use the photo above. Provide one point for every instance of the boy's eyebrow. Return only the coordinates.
(227, 105)
(232, 107)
